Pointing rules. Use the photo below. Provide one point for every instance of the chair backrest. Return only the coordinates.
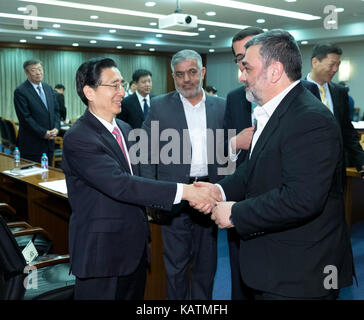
(4, 134)
(12, 131)
(12, 265)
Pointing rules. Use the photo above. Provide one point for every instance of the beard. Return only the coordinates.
(251, 96)
(189, 93)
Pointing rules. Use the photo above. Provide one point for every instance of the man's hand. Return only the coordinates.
(221, 214)
(214, 191)
(242, 140)
(51, 134)
(200, 197)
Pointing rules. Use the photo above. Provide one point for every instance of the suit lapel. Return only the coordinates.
(36, 96)
(272, 126)
(334, 98)
(108, 139)
(138, 107)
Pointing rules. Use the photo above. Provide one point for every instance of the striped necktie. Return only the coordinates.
(117, 135)
(323, 96)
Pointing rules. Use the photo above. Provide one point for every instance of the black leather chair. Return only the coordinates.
(12, 132)
(52, 280)
(5, 143)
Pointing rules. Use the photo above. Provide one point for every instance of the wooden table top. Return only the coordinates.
(7, 163)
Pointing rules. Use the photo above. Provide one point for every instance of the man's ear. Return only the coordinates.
(89, 93)
(276, 71)
(203, 72)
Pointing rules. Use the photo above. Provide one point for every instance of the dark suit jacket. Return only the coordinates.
(168, 110)
(61, 106)
(292, 221)
(353, 149)
(238, 113)
(35, 119)
(131, 111)
(108, 226)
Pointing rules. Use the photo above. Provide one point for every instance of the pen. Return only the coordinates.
(27, 167)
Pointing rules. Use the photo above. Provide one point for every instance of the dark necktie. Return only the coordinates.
(146, 108)
(42, 96)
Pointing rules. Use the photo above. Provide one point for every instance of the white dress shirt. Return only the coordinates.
(263, 114)
(110, 127)
(196, 123)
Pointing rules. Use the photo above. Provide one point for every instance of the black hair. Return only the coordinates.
(88, 74)
(247, 32)
(320, 51)
(140, 73)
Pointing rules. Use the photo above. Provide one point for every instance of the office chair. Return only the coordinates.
(52, 280)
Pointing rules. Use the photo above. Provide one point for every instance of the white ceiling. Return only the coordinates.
(350, 23)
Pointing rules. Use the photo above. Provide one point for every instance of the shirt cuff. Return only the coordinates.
(179, 193)
(232, 156)
(222, 192)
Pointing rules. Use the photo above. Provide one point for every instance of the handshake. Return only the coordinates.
(207, 198)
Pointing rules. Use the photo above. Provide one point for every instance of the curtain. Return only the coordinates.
(61, 67)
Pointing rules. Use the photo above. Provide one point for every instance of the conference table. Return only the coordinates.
(49, 209)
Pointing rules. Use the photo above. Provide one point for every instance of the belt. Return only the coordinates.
(195, 179)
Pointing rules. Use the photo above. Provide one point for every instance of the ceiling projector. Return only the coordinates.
(178, 21)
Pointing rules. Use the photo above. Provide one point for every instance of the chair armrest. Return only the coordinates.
(19, 224)
(46, 261)
(8, 210)
(32, 230)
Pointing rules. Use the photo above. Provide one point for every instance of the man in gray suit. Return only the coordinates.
(189, 115)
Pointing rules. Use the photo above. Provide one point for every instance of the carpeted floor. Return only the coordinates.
(222, 285)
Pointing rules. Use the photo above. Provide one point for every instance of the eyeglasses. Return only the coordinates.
(239, 59)
(181, 74)
(116, 86)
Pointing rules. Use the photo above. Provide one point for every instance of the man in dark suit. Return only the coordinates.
(135, 107)
(108, 226)
(289, 209)
(37, 112)
(189, 239)
(239, 116)
(59, 94)
(325, 62)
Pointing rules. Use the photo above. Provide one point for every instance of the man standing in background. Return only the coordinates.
(135, 107)
(59, 93)
(38, 114)
(325, 61)
(189, 238)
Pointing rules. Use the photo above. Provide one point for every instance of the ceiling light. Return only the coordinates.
(115, 10)
(93, 41)
(260, 20)
(331, 22)
(94, 17)
(211, 50)
(210, 13)
(138, 45)
(151, 49)
(262, 9)
(158, 35)
(119, 47)
(75, 44)
(112, 30)
(265, 29)
(304, 42)
(339, 10)
(150, 4)
(39, 37)
(22, 40)
(202, 29)
(212, 36)
(153, 23)
(22, 9)
(56, 25)
(290, 0)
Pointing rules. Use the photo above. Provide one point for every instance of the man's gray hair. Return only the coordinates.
(31, 62)
(183, 55)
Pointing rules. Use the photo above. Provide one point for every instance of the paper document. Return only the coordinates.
(358, 125)
(57, 185)
(25, 172)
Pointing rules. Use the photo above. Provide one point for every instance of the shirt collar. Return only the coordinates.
(35, 86)
(109, 126)
(140, 97)
(270, 106)
(186, 102)
(325, 85)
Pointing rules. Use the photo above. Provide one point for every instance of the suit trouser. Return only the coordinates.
(239, 290)
(190, 255)
(129, 287)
